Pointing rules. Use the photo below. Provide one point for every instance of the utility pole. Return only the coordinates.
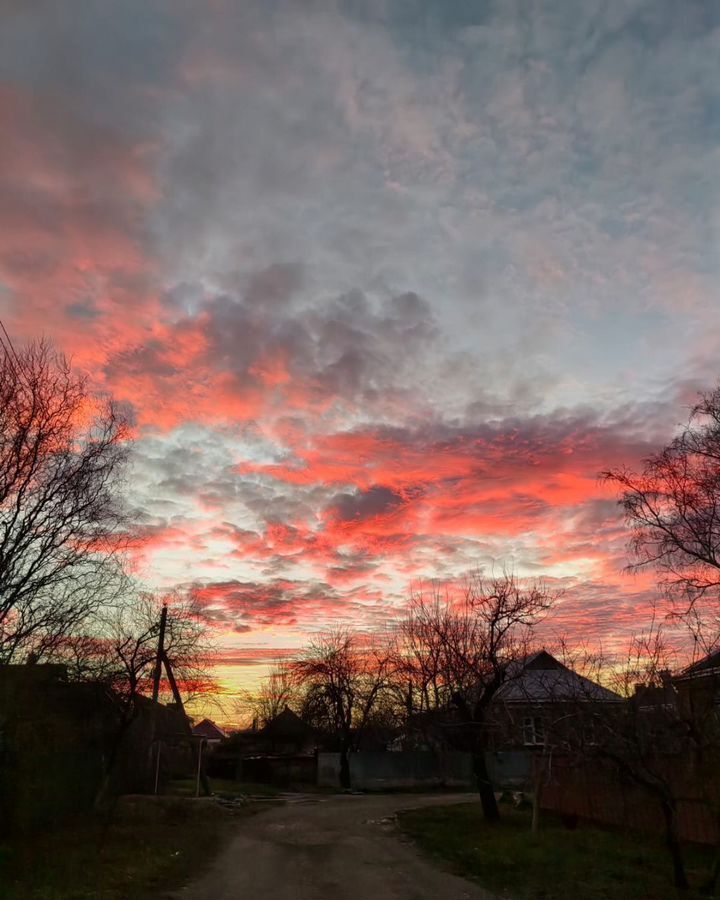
(162, 660)
(159, 659)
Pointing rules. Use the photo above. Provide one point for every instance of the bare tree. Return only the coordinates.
(123, 655)
(125, 645)
(61, 456)
(545, 706)
(420, 657)
(276, 692)
(673, 506)
(662, 739)
(461, 650)
(342, 679)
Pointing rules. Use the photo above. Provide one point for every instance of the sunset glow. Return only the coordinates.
(385, 285)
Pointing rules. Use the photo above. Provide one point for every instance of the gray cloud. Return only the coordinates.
(448, 231)
(358, 505)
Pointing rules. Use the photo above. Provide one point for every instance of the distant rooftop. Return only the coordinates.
(209, 730)
(286, 724)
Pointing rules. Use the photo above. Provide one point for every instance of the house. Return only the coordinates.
(53, 739)
(152, 728)
(210, 732)
(63, 743)
(539, 694)
(282, 752)
(541, 710)
(698, 688)
(540, 701)
(287, 733)
(61, 740)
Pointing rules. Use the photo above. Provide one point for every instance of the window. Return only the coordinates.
(533, 731)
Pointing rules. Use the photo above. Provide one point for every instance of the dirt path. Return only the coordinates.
(335, 848)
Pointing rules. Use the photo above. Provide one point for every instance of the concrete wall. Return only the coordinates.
(510, 769)
(280, 770)
(384, 770)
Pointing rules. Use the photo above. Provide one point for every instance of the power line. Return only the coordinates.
(10, 352)
(7, 336)
(8, 357)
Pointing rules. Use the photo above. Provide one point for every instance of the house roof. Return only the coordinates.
(286, 724)
(209, 730)
(705, 666)
(540, 678)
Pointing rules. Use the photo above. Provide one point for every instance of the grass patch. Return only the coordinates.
(223, 787)
(226, 787)
(555, 864)
(144, 850)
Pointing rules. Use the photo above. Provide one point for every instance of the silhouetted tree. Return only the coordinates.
(461, 650)
(134, 639)
(648, 740)
(673, 506)
(61, 456)
(276, 692)
(342, 679)
(125, 657)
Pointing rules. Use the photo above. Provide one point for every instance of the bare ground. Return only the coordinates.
(336, 848)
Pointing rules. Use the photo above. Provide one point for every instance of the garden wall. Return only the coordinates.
(387, 770)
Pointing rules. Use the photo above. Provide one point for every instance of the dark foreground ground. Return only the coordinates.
(342, 847)
(145, 846)
(333, 847)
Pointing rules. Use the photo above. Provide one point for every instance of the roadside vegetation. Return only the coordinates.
(145, 844)
(225, 787)
(555, 864)
(150, 844)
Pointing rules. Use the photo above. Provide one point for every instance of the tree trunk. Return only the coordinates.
(673, 844)
(126, 720)
(345, 767)
(490, 808)
(541, 776)
(475, 721)
(537, 797)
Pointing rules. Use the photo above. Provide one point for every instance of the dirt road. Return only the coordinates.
(334, 848)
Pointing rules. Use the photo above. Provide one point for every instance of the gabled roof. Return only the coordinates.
(706, 666)
(286, 724)
(540, 678)
(209, 730)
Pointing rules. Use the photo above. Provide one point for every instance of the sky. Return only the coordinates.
(385, 284)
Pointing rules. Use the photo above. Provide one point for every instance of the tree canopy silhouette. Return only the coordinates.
(673, 506)
(62, 453)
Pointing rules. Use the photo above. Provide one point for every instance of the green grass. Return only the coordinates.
(555, 864)
(139, 854)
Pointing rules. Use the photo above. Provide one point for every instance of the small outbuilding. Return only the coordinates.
(211, 732)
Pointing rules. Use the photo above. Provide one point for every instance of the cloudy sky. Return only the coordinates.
(386, 282)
